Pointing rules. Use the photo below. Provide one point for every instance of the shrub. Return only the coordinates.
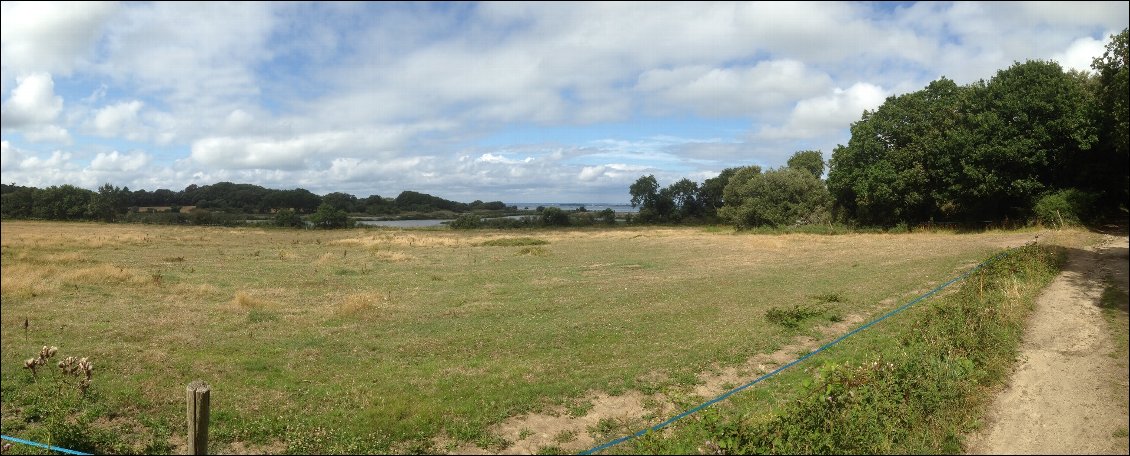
(775, 198)
(288, 218)
(607, 216)
(554, 216)
(1064, 208)
(328, 217)
(791, 317)
(466, 222)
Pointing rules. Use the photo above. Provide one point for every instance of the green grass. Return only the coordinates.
(410, 335)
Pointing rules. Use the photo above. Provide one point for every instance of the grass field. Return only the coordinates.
(374, 340)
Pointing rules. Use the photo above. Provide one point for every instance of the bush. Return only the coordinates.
(607, 216)
(328, 217)
(1064, 208)
(288, 218)
(554, 216)
(466, 222)
(776, 198)
(791, 317)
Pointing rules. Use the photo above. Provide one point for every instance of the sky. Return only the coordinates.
(518, 102)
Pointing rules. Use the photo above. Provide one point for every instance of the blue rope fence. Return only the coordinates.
(42, 445)
(779, 369)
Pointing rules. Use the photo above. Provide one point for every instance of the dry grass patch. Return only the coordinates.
(404, 239)
(326, 258)
(67, 258)
(103, 273)
(24, 280)
(242, 300)
(200, 290)
(393, 257)
(364, 304)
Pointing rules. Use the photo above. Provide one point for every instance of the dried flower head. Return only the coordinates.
(73, 365)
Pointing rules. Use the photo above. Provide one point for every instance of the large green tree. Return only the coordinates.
(1111, 159)
(685, 203)
(900, 161)
(1030, 127)
(809, 160)
(109, 202)
(985, 151)
(711, 192)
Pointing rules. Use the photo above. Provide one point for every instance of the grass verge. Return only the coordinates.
(914, 387)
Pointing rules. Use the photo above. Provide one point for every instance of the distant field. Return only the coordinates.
(376, 340)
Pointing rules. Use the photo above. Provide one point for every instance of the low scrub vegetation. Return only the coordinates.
(914, 387)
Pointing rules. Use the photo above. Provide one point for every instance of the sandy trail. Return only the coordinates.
(1067, 394)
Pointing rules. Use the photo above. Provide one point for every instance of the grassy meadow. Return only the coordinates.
(381, 340)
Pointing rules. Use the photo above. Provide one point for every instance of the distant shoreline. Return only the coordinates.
(574, 206)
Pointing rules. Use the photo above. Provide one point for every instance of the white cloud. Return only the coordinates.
(115, 161)
(58, 159)
(590, 173)
(33, 109)
(48, 133)
(825, 113)
(200, 57)
(9, 156)
(498, 158)
(120, 119)
(50, 36)
(33, 102)
(239, 120)
(1080, 54)
(735, 91)
(299, 151)
(610, 171)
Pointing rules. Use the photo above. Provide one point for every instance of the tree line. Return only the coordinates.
(1034, 142)
(111, 203)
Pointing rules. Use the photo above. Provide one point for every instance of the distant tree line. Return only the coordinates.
(211, 202)
(1034, 142)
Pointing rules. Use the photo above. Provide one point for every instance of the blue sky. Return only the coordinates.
(546, 102)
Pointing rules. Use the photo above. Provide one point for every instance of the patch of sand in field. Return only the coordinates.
(1067, 395)
(529, 433)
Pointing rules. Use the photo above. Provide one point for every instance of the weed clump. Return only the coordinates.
(513, 242)
(791, 317)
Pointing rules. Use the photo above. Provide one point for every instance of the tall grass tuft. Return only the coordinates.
(242, 300)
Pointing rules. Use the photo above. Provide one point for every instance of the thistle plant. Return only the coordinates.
(75, 366)
(41, 360)
(59, 411)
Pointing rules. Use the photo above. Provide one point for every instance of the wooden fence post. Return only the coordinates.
(198, 395)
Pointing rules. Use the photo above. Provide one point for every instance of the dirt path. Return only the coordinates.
(1068, 393)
